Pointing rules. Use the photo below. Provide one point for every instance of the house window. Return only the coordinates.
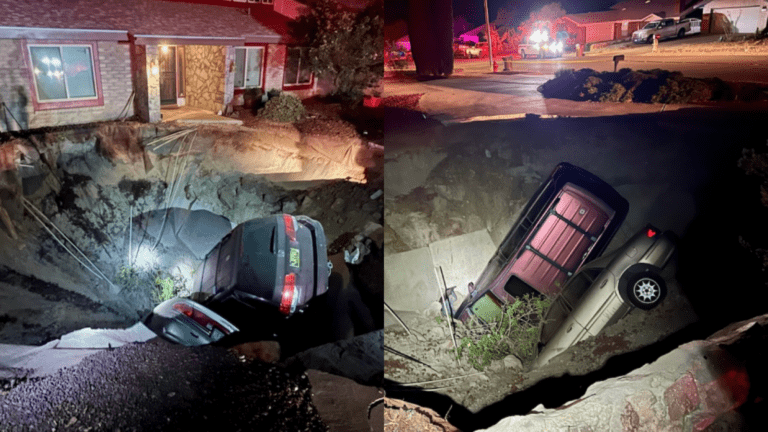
(63, 73)
(248, 66)
(297, 71)
(266, 1)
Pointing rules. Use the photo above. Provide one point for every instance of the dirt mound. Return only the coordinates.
(654, 86)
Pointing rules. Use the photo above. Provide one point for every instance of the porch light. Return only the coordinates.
(153, 67)
(164, 48)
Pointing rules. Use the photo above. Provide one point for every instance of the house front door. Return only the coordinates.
(168, 75)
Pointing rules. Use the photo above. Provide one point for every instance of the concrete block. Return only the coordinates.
(462, 258)
(409, 280)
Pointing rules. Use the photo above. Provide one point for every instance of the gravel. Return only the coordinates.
(159, 386)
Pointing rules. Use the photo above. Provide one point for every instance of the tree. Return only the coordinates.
(344, 46)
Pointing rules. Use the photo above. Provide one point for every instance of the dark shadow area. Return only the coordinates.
(403, 120)
(13, 112)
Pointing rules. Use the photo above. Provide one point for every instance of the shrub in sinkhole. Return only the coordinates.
(515, 332)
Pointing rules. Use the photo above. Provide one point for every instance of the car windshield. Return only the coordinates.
(652, 25)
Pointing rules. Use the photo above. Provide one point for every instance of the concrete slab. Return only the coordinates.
(409, 280)
(195, 116)
(462, 258)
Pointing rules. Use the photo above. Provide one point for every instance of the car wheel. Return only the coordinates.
(681, 33)
(650, 39)
(646, 290)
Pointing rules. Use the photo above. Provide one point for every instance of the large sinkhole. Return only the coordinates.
(474, 181)
(107, 217)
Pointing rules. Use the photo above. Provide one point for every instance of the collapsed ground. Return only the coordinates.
(478, 176)
(89, 181)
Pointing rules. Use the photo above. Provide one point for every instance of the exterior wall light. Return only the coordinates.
(154, 68)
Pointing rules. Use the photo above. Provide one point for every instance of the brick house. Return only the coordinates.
(622, 19)
(81, 61)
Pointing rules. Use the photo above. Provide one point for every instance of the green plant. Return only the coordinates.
(167, 287)
(161, 285)
(131, 279)
(284, 108)
(515, 332)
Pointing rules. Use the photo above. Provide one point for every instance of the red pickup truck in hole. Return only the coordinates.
(569, 221)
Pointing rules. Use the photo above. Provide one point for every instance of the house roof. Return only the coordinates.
(607, 16)
(662, 8)
(153, 19)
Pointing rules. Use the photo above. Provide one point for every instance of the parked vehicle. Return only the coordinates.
(279, 260)
(605, 290)
(539, 45)
(569, 221)
(665, 29)
(189, 323)
(473, 51)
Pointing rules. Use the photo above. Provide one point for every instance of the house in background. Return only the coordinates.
(622, 19)
(94, 60)
(733, 16)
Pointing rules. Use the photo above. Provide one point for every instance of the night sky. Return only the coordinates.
(472, 10)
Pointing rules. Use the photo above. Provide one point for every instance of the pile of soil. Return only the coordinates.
(646, 86)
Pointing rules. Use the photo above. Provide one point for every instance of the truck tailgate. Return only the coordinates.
(557, 247)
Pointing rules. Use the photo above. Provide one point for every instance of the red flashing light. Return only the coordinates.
(651, 233)
(289, 290)
(290, 230)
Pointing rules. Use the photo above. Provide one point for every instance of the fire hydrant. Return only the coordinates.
(655, 43)
(495, 66)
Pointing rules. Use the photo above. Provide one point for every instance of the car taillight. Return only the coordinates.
(290, 230)
(651, 233)
(200, 318)
(289, 291)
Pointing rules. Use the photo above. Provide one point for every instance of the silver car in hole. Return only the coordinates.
(605, 290)
(187, 322)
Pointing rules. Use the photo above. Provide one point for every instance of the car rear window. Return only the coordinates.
(260, 256)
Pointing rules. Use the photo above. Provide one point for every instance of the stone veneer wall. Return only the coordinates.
(206, 76)
(153, 83)
(115, 70)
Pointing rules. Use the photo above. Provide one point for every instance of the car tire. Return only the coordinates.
(681, 33)
(646, 290)
(650, 39)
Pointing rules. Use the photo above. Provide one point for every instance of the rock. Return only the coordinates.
(512, 362)
(290, 207)
(451, 192)
(338, 205)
